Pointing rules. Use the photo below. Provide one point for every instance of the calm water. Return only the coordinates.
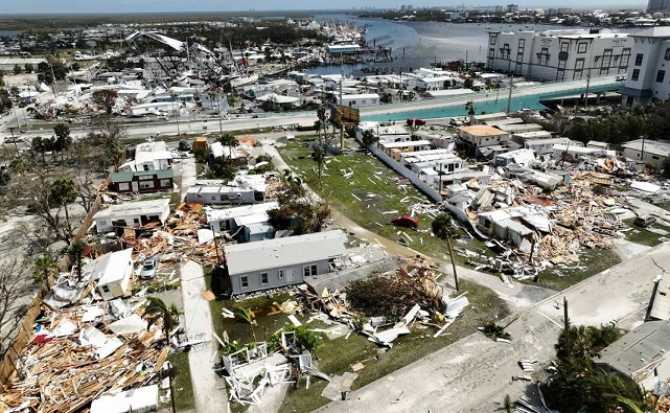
(490, 106)
(423, 43)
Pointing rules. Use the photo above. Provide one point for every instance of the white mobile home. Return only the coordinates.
(113, 273)
(282, 262)
(132, 214)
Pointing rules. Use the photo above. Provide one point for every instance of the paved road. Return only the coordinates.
(208, 388)
(474, 374)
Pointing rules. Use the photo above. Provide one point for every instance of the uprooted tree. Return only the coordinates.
(296, 211)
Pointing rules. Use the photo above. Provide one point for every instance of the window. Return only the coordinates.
(124, 186)
(638, 59)
(166, 183)
(280, 275)
(660, 76)
(582, 47)
(264, 278)
(492, 52)
(245, 281)
(146, 184)
(310, 270)
(522, 42)
(105, 289)
(667, 53)
(493, 38)
(579, 69)
(636, 75)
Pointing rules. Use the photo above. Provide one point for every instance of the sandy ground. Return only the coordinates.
(474, 374)
(208, 388)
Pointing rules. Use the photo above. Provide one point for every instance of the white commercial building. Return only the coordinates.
(647, 74)
(358, 100)
(558, 55)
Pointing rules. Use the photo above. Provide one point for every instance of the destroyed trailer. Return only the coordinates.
(82, 357)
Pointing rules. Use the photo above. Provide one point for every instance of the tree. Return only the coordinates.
(247, 316)
(319, 156)
(63, 192)
(230, 141)
(14, 275)
(369, 138)
(470, 108)
(5, 101)
(156, 310)
(63, 138)
(581, 385)
(105, 98)
(43, 266)
(18, 69)
(108, 134)
(443, 229)
(666, 168)
(221, 168)
(76, 253)
(28, 68)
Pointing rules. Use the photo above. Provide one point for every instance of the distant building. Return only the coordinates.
(647, 151)
(658, 6)
(244, 189)
(642, 355)
(647, 77)
(478, 136)
(281, 262)
(557, 55)
(142, 181)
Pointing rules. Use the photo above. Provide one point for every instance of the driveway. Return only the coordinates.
(209, 389)
(474, 374)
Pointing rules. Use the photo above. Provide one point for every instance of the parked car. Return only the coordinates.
(149, 268)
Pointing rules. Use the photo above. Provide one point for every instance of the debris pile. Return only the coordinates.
(73, 359)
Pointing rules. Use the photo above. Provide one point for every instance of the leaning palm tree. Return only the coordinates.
(230, 141)
(442, 229)
(247, 316)
(157, 310)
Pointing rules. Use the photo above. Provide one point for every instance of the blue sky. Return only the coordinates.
(125, 6)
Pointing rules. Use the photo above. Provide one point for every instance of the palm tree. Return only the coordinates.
(157, 310)
(442, 229)
(369, 138)
(247, 316)
(319, 156)
(230, 141)
(43, 265)
(63, 192)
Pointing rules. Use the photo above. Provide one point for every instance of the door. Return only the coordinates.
(135, 186)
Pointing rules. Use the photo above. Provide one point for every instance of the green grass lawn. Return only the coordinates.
(373, 190)
(644, 236)
(337, 356)
(181, 384)
(370, 196)
(591, 262)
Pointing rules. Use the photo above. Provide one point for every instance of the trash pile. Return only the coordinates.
(79, 354)
(386, 305)
(532, 228)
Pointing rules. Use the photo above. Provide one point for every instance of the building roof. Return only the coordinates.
(404, 144)
(214, 215)
(284, 252)
(151, 207)
(482, 130)
(639, 349)
(660, 308)
(661, 148)
(113, 267)
(127, 176)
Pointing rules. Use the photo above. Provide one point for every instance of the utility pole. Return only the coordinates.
(566, 319)
(341, 120)
(511, 83)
